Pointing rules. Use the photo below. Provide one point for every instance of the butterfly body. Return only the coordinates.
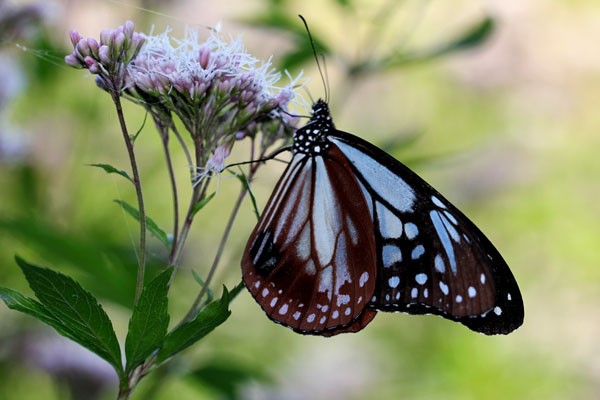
(349, 231)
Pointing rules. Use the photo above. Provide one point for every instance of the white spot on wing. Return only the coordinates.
(325, 281)
(387, 184)
(310, 267)
(351, 230)
(443, 235)
(311, 318)
(411, 230)
(421, 279)
(363, 279)
(482, 278)
(342, 274)
(296, 315)
(471, 291)
(303, 245)
(414, 293)
(450, 228)
(497, 310)
(265, 292)
(438, 262)
(393, 282)
(390, 255)
(389, 225)
(451, 217)
(343, 299)
(444, 288)
(459, 298)
(417, 252)
(283, 310)
(437, 202)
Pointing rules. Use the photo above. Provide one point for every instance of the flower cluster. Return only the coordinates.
(217, 89)
(220, 92)
(109, 57)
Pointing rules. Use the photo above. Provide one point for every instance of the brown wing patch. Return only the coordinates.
(311, 260)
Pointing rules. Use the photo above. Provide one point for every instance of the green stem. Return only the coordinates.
(192, 310)
(165, 141)
(197, 195)
(137, 183)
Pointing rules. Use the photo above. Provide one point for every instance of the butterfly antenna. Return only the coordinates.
(328, 88)
(312, 44)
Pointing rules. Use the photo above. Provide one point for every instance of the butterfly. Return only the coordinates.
(350, 231)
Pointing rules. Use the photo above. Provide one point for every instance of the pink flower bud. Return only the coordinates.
(93, 45)
(83, 48)
(75, 37)
(72, 61)
(92, 65)
(89, 61)
(106, 36)
(204, 57)
(225, 86)
(118, 43)
(128, 28)
(104, 54)
(95, 69)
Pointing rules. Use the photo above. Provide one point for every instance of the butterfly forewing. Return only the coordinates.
(311, 260)
(432, 259)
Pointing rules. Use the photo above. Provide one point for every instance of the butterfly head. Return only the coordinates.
(311, 139)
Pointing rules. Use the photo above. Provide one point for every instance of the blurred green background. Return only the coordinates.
(508, 130)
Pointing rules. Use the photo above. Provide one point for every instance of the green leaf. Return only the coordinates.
(152, 226)
(200, 204)
(18, 302)
(109, 169)
(211, 316)
(149, 321)
(70, 309)
(242, 177)
(236, 290)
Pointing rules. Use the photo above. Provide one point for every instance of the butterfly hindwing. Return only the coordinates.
(311, 262)
(431, 257)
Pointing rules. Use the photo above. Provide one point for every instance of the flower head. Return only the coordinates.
(109, 57)
(203, 82)
(220, 92)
